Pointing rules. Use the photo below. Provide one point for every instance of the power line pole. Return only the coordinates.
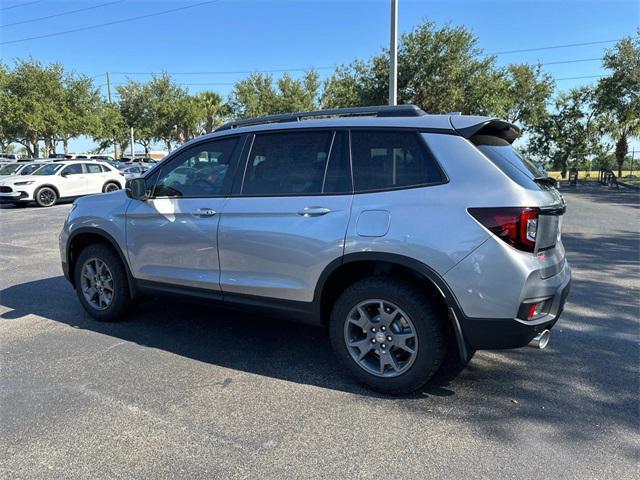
(115, 143)
(393, 53)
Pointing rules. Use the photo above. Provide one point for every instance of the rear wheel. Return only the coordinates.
(46, 197)
(110, 187)
(101, 283)
(387, 334)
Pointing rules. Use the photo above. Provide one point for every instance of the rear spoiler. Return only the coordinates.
(468, 126)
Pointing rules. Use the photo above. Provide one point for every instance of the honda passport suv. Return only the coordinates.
(414, 239)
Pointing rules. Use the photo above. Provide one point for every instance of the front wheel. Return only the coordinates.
(387, 334)
(46, 197)
(101, 283)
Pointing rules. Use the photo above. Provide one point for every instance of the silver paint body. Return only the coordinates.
(268, 247)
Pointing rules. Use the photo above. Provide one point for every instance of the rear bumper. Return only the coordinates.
(502, 333)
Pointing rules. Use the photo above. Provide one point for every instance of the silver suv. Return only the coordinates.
(414, 239)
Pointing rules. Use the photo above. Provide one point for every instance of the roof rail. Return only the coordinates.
(376, 111)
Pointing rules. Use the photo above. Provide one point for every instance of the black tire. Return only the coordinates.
(424, 314)
(121, 302)
(45, 197)
(110, 187)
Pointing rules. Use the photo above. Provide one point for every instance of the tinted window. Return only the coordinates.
(74, 169)
(386, 159)
(93, 168)
(287, 163)
(9, 169)
(507, 159)
(29, 169)
(198, 172)
(50, 169)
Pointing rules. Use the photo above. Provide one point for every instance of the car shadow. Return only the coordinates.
(229, 338)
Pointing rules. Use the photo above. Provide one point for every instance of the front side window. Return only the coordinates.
(74, 169)
(287, 163)
(385, 159)
(198, 172)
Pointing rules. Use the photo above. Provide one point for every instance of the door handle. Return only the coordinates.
(205, 212)
(314, 211)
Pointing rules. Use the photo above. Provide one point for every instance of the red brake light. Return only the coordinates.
(517, 226)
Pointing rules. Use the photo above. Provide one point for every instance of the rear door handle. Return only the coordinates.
(314, 211)
(205, 212)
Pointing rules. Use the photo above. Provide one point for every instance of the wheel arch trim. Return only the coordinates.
(422, 269)
(111, 241)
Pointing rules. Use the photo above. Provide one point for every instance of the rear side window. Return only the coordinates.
(93, 168)
(385, 159)
(512, 163)
(287, 163)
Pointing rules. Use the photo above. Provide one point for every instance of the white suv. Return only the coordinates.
(58, 180)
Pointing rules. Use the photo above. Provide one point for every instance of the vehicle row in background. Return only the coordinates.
(60, 180)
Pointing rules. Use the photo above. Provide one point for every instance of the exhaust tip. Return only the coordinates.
(541, 340)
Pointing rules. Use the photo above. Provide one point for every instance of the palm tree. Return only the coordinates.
(619, 94)
(212, 110)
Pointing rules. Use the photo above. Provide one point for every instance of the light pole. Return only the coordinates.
(393, 54)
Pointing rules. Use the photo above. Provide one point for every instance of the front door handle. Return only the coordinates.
(314, 211)
(205, 212)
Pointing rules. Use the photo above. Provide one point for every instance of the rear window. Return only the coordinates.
(508, 159)
(385, 159)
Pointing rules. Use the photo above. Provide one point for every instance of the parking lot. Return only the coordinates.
(188, 390)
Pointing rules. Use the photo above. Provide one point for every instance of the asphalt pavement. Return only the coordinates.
(190, 391)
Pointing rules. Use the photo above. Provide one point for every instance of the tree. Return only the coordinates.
(112, 128)
(211, 110)
(81, 109)
(34, 94)
(170, 110)
(618, 94)
(571, 132)
(529, 91)
(136, 111)
(439, 69)
(256, 96)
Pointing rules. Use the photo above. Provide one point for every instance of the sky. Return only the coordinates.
(239, 36)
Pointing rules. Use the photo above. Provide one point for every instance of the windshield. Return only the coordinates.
(50, 169)
(9, 169)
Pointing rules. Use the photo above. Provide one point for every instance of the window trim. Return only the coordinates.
(232, 169)
(247, 155)
(418, 133)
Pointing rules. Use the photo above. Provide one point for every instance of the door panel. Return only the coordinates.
(173, 240)
(279, 235)
(73, 181)
(271, 246)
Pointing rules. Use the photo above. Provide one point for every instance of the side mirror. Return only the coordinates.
(136, 188)
(64, 174)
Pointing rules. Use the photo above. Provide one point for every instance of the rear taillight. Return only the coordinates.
(515, 225)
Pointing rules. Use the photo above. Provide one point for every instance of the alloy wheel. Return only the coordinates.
(97, 283)
(381, 338)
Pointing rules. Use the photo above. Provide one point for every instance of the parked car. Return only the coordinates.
(414, 239)
(133, 171)
(13, 169)
(9, 156)
(61, 180)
